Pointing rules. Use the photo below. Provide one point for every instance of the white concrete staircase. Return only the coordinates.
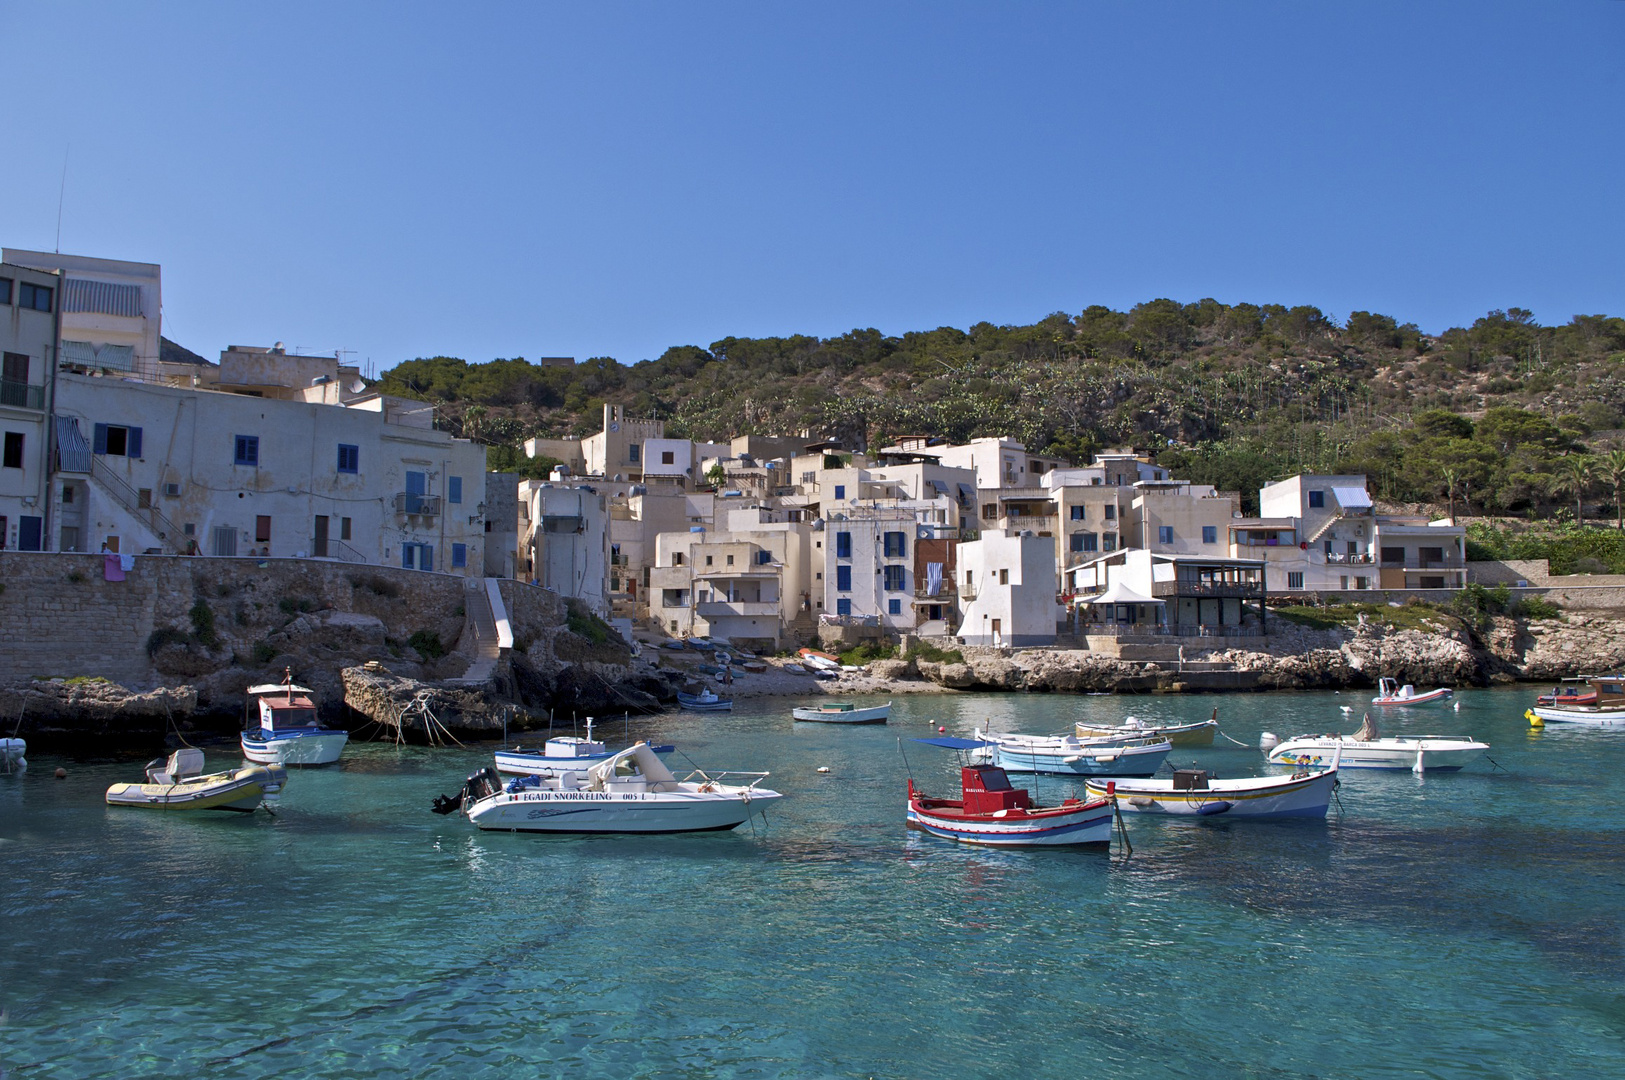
(487, 636)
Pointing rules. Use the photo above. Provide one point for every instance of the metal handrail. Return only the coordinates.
(336, 549)
(126, 495)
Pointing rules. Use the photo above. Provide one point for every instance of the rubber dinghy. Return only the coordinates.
(181, 784)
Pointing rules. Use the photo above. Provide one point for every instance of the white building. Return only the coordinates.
(111, 310)
(567, 541)
(29, 311)
(1007, 584)
(746, 580)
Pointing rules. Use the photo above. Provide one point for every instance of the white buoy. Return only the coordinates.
(1268, 741)
(1347, 708)
(823, 768)
(1419, 768)
(1456, 706)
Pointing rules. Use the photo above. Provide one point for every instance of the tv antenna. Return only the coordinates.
(61, 191)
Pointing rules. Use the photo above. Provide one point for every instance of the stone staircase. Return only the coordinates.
(482, 641)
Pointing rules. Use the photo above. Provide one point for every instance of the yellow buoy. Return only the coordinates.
(1534, 721)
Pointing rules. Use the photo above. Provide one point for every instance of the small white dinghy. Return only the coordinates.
(1389, 692)
(631, 792)
(843, 712)
(1366, 750)
(1195, 793)
(180, 784)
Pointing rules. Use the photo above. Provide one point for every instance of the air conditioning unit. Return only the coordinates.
(172, 491)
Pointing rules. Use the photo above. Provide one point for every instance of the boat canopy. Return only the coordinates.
(637, 756)
(950, 743)
(278, 688)
(1119, 594)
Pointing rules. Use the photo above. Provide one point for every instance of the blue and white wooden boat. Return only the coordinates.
(1068, 755)
(564, 754)
(286, 731)
(704, 701)
(1194, 793)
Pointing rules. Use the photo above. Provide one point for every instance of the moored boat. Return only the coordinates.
(283, 729)
(1607, 708)
(1195, 793)
(991, 811)
(1568, 693)
(1366, 750)
(1389, 692)
(180, 784)
(13, 757)
(1068, 755)
(704, 701)
(630, 792)
(559, 755)
(843, 712)
(1198, 734)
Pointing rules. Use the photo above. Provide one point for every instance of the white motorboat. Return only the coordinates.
(181, 784)
(1366, 750)
(1607, 707)
(629, 792)
(12, 755)
(843, 712)
(564, 754)
(283, 729)
(1194, 793)
(1068, 755)
(1389, 692)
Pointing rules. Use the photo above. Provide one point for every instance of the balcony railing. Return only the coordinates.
(1231, 589)
(715, 608)
(1421, 564)
(330, 548)
(1176, 631)
(1345, 558)
(407, 502)
(20, 395)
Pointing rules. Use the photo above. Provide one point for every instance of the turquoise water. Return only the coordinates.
(1456, 925)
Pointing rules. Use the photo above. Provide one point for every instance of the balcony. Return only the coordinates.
(20, 395)
(1334, 558)
(1422, 564)
(1239, 590)
(407, 502)
(712, 609)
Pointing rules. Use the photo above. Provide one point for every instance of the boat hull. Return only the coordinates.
(245, 790)
(618, 811)
(1588, 717)
(521, 763)
(322, 748)
(1438, 755)
(694, 703)
(877, 714)
(1180, 735)
(1088, 761)
(1258, 798)
(1089, 824)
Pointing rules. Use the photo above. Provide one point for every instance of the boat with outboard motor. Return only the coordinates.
(1607, 708)
(1068, 755)
(990, 811)
(180, 784)
(1197, 793)
(704, 701)
(283, 728)
(1389, 692)
(629, 792)
(1198, 734)
(843, 712)
(1570, 692)
(1365, 749)
(559, 755)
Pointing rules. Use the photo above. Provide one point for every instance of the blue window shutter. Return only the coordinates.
(843, 578)
(428, 557)
(459, 554)
(843, 607)
(416, 483)
(843, 545)
(99, 443)
(133, 446)
(840, 491)
(894, 607)
(454, 489)
(406, 556)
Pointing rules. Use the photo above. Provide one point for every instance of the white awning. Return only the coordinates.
(1352, 498)
(1118, 594)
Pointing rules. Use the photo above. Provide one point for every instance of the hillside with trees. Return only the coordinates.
(1503, 417)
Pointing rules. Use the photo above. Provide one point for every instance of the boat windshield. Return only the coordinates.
(285, 719)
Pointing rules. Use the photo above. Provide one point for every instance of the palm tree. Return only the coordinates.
(1614, 470)
(1450, 482)
(1575, 478)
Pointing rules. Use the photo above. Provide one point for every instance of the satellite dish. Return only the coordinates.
(357, 387)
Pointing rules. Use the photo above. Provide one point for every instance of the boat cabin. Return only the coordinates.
(283, 707)
(1610, 691)
(986, 790)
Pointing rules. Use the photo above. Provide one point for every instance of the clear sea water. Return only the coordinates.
(1454, 925)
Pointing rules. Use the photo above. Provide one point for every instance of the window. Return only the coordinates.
(895, 544)
(454, 489)
(843, 545)
(422, 555)
(840, 491)
(764, 557)
(894, 607)
(1108, 541)
(668, 457)
(1393, 554)
(1085, 541)
(34, 296)
(677, 558)
(5, 290)
(730, 560)
(114, 440)
(344, 528)
(969, 579)
(894, 578)
(1361, 582)
(1210, 534)
(14, 450)
(1165, 534)
(247, 451)
(843, 607)
(1317, 500)
(143, 499)
(1078, 512)
(262, 529)
(1004, 577)
(709, 560)
(67, 494)
(843, 579)
(225, 540)
(459, 555)
(1294, 579)
(1110, 511)
(808, 477)
(632, 453)
(990, 511)
(349, 458)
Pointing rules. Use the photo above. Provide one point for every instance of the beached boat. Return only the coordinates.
(704, 701)
(1068, 755)
(843, 712)
(1606, 710)
(180, 784)
(991, 811)
(563, 754)
(1365, 749)
(1389, 692)
(630, 792)
(1195, 793)
(819, 660)
(1198, 734)
(12, 755)
(283, 729)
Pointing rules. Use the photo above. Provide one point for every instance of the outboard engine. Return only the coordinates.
(478, 786)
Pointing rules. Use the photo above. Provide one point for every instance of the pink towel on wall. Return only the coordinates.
(112, 569)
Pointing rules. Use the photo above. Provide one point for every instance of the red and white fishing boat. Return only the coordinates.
(990, 811)
(1389, 692)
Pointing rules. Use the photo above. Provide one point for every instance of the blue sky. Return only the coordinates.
(610, 179)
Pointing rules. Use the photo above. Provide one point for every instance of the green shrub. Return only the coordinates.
(866, 652)
(583, 623)
(1536, 607)
(203, 624)
(165, 635)
(922, 650)
(263, 652)
(376, 584)
(427, 643)
(293, 605)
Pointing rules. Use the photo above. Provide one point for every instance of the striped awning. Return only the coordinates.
(73, 452)
(86, 354)
(101, 298)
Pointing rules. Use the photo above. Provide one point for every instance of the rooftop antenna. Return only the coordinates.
(61, 191)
